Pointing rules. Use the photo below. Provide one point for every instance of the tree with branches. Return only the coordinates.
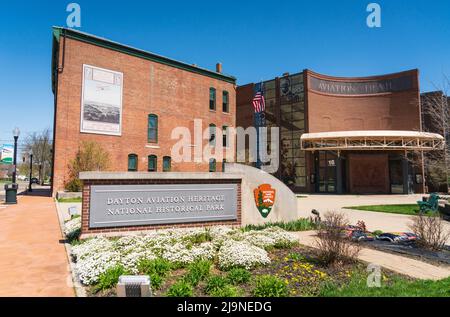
(436, 119)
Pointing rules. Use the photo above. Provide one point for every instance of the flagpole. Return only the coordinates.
(258, 137)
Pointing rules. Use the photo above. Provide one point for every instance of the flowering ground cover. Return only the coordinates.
(223, 262)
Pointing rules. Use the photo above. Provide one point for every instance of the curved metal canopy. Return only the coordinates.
(372, 140)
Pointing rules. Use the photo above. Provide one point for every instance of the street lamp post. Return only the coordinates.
(16, 133)
(30, 189)
(11, 191)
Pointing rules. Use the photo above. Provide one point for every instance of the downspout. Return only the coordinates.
(56, 71)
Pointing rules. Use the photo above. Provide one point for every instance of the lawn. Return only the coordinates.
(70, 200)
(407, 209)
(393, 286)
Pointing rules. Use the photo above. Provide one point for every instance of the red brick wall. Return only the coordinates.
(387, 111)
(368, 173)
(85, 230)
(176, 96)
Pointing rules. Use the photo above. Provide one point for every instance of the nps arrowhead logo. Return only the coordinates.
(264, 199)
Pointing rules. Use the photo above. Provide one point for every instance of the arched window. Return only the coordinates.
(152, 163)
(152, 132)
(212, 165)
(132, 163)
(167, 164)
(212, 134)
(212, 99)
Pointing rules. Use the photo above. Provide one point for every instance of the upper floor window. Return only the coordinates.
(212, 165)
(225, 102)
(212, 134)
(167, 164)
(152, 133)
(152, 163)
(132, 163)
(212, 99)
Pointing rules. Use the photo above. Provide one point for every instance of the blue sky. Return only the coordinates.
(253, 39)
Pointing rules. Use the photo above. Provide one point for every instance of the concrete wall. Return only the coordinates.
(285, 207)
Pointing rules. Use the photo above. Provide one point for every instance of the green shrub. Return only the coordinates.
(270, 286)
(157, 269)
(157, 266)
(296, 257)
(110, 278)
(90, 157)
(215, 283)
(238, 276)
(74, 185)
(226, 291)
(197, 272)
(200, 238)
(377, 232)
(302, 224)
(180, 289)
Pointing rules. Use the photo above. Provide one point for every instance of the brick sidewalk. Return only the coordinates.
(400, 264)
(33, 262)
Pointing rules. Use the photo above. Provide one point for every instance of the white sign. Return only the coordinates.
(7, 154)
(101, 102)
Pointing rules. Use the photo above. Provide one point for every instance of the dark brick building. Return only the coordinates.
(345, 135)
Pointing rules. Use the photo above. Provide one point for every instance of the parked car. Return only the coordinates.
(34, 180)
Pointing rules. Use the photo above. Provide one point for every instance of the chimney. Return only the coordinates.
(219, 68)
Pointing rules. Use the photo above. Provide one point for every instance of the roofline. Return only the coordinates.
(105, 43)
(362, 78)
(264, 81)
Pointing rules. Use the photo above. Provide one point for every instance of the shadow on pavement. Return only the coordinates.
(38, 192)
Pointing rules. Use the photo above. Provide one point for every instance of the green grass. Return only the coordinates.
(70, 200)
(411, 209)
(395, 287)
(303, 224)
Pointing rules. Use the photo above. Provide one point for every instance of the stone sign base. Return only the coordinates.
(133, 202)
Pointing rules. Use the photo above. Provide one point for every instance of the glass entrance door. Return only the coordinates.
(325, 163)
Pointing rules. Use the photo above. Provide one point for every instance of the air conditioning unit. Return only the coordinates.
(134, 286)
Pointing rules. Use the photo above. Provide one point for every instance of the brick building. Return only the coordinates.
(345, 135)
(129, 100)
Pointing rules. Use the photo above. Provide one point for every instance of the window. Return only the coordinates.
(167, 164)
(224, 162)
(225, 102)
(224, 136)
(152, 133)
(152, 163)
(212, 135)
(212, 99)
(132, 162)
(212, 165)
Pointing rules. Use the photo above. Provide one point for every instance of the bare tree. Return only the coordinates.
(40, 143)
(436, 119)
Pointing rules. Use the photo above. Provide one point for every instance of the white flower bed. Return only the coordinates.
(241, 254)
(72, 228)
(231, 247)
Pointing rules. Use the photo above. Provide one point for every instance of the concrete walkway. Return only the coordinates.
(374, 220)
(403, 265)
(33, 262)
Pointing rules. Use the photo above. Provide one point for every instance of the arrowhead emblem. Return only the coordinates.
(264, 199)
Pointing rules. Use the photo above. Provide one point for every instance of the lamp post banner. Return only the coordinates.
(7, 154)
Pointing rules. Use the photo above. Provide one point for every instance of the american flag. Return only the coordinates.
(258, 102)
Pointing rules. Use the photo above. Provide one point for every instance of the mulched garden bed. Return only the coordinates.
(298, 267)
